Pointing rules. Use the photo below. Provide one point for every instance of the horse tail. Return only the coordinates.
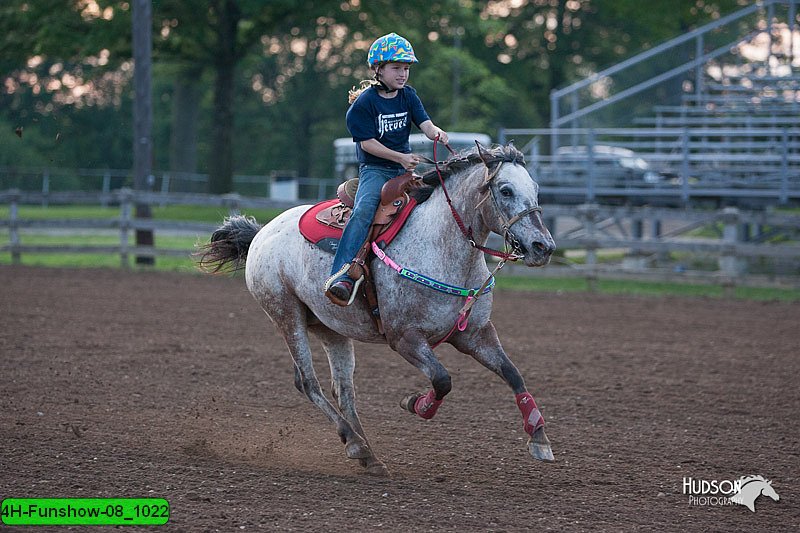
(229, 244)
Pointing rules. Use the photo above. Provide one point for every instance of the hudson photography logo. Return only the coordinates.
(742, 491)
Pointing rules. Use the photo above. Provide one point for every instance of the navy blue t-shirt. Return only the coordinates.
(386, 119)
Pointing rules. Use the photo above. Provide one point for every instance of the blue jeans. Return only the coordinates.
(371, 179)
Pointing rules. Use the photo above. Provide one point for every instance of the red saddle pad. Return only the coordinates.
(327, 237)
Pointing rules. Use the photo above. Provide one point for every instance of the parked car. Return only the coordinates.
(611, 166)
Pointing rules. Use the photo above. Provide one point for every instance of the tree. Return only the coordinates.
(59, 60)
(257, 86)
(221, 36)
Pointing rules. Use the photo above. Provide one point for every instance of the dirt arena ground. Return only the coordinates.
(118, 384)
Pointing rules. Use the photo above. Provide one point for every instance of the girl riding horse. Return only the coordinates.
(379, 120)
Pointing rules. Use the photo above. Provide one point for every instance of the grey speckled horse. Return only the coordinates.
(491, 190)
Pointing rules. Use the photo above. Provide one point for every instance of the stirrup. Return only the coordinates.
(331, 280)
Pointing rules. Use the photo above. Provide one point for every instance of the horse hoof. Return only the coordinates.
(539, 447)
(375, 468)
(379, 470)
(357, 450)
(408, 402)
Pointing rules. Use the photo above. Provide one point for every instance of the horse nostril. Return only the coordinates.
(543, 247)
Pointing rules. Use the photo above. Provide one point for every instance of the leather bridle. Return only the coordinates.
(508, 236)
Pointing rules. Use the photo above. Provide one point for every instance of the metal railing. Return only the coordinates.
(582, 104)
(726, 165)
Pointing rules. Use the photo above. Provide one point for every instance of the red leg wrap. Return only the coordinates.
(426, 406)
(531, 416)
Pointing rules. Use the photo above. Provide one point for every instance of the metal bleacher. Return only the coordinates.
(710, 117)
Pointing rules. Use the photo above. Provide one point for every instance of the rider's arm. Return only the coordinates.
(431, 130)
(374, 147)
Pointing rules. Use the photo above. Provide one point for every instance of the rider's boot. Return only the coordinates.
(341, 289)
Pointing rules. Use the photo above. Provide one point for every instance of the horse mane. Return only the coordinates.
(466, 159)
(745, 480)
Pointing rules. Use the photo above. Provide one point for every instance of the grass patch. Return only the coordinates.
(187, 264)
(645, 288)
(195, 213)
(61, 212)
(85, 260)
(107, 238)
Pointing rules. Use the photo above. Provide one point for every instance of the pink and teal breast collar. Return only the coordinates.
(428, 281)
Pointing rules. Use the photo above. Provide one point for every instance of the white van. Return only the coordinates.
(347, 164)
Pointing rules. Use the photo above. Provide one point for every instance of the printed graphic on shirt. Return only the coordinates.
(392, 122)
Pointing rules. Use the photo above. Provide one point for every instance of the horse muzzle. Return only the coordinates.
(538, 252)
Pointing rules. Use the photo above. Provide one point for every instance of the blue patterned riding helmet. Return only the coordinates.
(391, 48)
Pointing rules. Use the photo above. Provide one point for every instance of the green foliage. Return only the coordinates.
(23, 149)
(272, 76)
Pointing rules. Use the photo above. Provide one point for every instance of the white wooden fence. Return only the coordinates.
(125, 223)
(640, 234)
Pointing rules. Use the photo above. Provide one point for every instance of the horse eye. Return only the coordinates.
(507, 191)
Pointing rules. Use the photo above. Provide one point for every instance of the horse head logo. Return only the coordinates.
(751, 487)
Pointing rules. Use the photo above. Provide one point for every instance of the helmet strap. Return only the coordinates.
(385, 88)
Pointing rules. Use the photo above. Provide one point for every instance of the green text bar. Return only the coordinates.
(85, 511)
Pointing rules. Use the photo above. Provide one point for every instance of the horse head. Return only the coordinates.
(767, 490)
(751, 487)
(510, 206)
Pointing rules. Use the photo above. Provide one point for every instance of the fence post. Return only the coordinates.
(125, 203)
(730, 265)
(321, 188)
(635, 259)
(106, 188)
(554, 112)
(590, 193)
(698, 69)
(589, 214)
(13, 226)
(165, 178)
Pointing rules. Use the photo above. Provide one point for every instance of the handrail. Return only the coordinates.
(639, 87)
(556, 120)
(661, 47)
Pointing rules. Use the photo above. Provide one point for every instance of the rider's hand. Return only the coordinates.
(409, 161)
(442, 136)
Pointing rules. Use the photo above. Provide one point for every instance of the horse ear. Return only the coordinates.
(482, 153)
(518, 156)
